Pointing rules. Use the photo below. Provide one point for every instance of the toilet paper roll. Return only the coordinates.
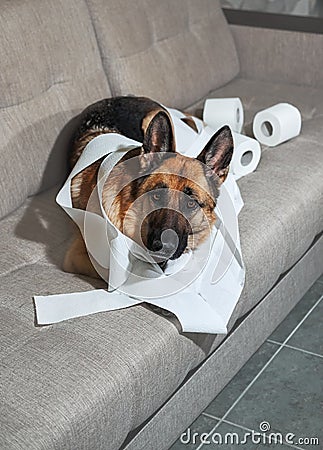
(277, 124)
(246, 155)
(224, 111)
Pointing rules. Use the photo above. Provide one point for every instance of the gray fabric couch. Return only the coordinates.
(131, 378)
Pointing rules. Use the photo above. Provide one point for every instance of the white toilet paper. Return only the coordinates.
(223, 111)
(277, 124)
(246, 155)
(201, 288)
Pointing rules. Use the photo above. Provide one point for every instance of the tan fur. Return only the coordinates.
(77, 259)
(177, 173)
(120, 194)
(83, 184)
(82, 142)
(190, 122)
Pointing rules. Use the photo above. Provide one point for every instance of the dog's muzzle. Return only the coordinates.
(168, 241)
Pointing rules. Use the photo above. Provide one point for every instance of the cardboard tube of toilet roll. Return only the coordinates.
(224, 111)
(246, 155)
(277, 124)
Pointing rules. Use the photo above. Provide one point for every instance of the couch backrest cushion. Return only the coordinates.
(50, 70)
(174, 51)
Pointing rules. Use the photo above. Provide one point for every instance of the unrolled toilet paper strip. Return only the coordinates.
(57, 308)
(224, 111)
(277, 124)
(201, 304)
(246, 155)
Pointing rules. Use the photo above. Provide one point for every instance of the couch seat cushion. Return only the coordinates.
(85, 383)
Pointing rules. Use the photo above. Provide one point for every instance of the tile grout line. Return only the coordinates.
(294, 348)
(245, 429)
(303, 320)
(262, 369)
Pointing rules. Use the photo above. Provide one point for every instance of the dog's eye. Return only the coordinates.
(156, 196)
(191, 204)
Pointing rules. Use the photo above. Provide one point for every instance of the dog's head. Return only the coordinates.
(173, 199)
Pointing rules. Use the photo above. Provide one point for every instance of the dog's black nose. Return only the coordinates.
(163, 241)
(156, 245)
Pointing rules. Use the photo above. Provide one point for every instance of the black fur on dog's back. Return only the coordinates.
(123, 115)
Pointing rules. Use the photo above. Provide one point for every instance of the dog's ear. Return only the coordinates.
(159, 136)
(217, 153)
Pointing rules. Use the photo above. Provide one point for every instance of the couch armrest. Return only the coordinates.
(278, 55)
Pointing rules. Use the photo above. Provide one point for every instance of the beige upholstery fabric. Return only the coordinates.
(50, 69)
(104, 374)
(279, 56)
(172, 51)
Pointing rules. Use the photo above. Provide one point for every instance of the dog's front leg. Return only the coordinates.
(77, 259)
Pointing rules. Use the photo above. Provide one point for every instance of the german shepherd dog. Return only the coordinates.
(160, 190)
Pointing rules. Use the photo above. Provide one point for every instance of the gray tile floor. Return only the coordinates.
(280, 389)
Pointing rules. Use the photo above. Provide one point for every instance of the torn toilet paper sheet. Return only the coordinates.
(201, 287)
